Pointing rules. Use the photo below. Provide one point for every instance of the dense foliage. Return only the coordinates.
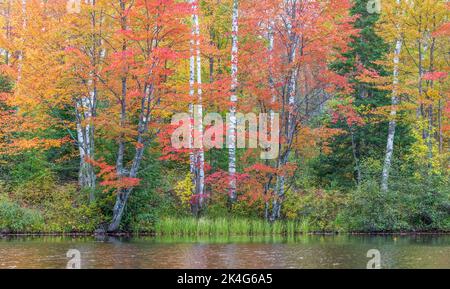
(87, 99)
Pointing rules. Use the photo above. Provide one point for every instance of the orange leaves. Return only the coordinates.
(76, 58)
(17, 146)
(4, 96)
(446, 124)
(367, 75)
(443, 31)
(311, 141)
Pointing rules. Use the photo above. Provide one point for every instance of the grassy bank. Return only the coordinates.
(228, 227)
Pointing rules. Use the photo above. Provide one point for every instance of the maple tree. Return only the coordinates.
(301, 46)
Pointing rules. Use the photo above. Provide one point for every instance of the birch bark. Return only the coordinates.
(393, 115)
(200, 159)
(233, 99)
(290, 113)
(86, 109)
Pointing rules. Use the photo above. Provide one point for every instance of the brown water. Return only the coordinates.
(239, 253)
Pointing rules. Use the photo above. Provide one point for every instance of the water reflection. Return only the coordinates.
(227, 252)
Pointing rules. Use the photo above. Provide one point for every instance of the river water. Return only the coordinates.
(343, 251)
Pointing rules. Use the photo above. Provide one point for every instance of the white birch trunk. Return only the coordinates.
(273, 100)
(86, 107)
(232, 114)
(191, 105)
(85, 135)
(200, 184)
(393, 115)
(271, 80)
(196, 153)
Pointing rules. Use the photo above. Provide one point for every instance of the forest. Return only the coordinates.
(356, 90)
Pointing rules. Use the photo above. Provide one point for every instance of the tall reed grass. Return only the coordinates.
(228, 227)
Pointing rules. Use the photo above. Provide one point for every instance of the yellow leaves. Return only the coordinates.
(164, 113)
(433, 94)
(383, 112)
(184, 189)
(419, 152)
(422, 27)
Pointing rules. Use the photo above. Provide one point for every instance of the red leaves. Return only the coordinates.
(346, 111)
(435, 75)
(169, 153)
(220, 181)
(111, 180)
(261, 168)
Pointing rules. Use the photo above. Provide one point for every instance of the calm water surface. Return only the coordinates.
(252, 253)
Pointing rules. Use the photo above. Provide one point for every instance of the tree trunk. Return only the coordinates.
(118, 210)
(393, 121)
(122, 195)
(355, 157)
(234, 98)
(197, 156)
(290, 114)
(86, 111)
(440, 130)
(272, 112)
(192, 154)
(200, 183)
(276, 207)
(430, 108)
(143, 139)
(86, 175)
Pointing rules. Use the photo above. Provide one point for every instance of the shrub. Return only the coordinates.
(63, 213)
(413, 203)
(371, 210)
(16, 219)
(316, 210)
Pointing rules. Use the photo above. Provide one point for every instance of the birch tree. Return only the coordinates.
(197, 155)
(232, 130)
(289, 19)
(414, 28)
(306, 31)
(86, 105)
(393, 114)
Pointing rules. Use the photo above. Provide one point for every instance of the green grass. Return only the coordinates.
(228, 227)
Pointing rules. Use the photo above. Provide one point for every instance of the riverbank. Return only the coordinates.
(204, 227)
(151, 234)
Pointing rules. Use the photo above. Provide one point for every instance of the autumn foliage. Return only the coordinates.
(99, 89)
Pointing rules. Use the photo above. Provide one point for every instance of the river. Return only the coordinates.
(312, 251)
